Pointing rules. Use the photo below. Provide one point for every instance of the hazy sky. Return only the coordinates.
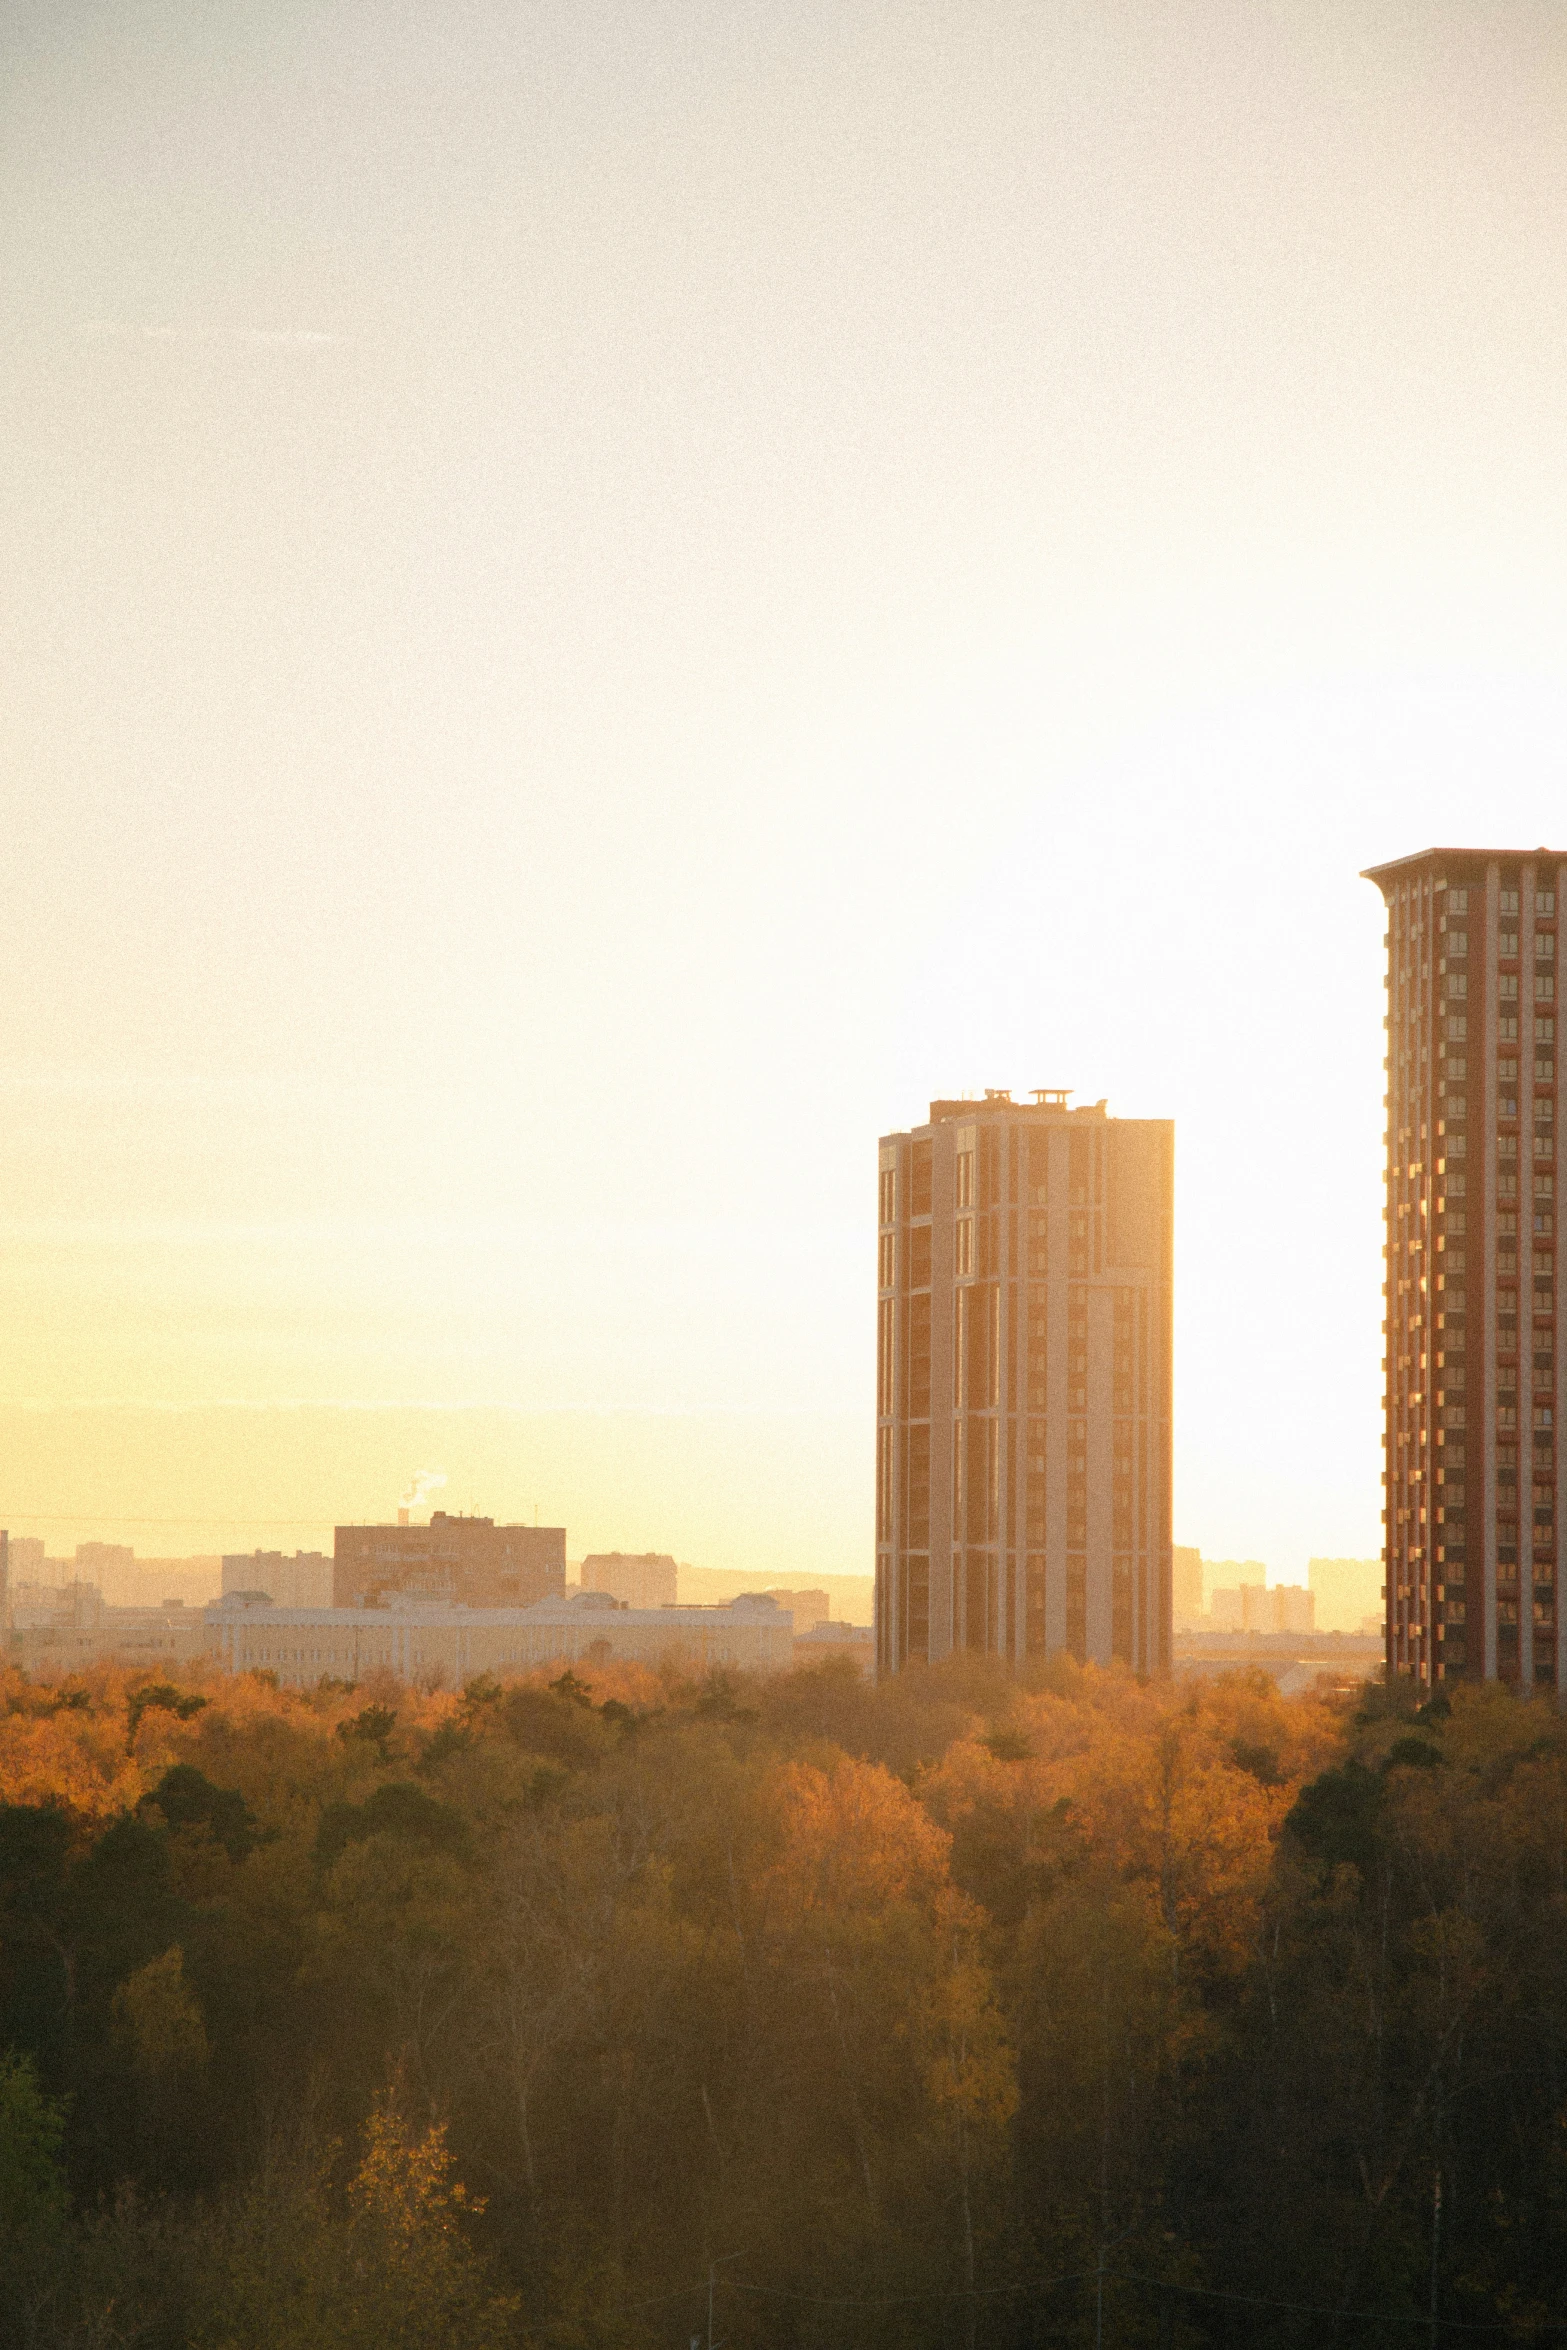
(599, 601)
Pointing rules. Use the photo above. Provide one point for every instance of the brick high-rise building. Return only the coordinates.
(1474, 1366)
(1023, 1384)
(453, 1558)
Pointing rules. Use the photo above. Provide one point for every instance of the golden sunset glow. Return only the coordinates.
(781, 1387)
(604, 603)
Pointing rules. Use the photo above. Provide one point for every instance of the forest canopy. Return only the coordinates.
(596, 2011)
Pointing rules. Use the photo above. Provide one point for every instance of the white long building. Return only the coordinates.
(423, 1640)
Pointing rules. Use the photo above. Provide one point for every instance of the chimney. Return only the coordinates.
(402, 1517)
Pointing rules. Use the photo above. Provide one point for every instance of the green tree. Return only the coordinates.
(33, 2200)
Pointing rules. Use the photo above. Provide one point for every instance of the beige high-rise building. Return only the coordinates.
(1023, 1384)
(1474, 1452)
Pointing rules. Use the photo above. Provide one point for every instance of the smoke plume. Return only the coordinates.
(421, 1485)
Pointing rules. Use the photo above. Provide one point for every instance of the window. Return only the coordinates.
(1507, 903)
(1545, 901)
(1545, 987)
(1507, 1024)
(1507, 991)
(1544, 1069)
(1458, 942)
(1545, 1032)
(1457, 983)
(965, 1179)
(1458, 901)
(965, 1247)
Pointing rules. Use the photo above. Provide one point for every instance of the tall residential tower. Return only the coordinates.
(1023, 1384)
(1474, 1365)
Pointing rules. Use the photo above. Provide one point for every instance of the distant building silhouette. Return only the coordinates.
(1474, 1441)
(452, 1558)
(27, 1558)
(1023, 1384)
(808, 1607)
(642, 1578)
(305, 1580)
(1186, 1584)
(1262, 1607)
(107, 1564)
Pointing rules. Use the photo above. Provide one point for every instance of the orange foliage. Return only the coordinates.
(1178, 1788)
(854, 1840)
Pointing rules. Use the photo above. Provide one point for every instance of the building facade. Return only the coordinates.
(1473, 1364)
(1023, 1384)
(446, 1645)
(454, 1559)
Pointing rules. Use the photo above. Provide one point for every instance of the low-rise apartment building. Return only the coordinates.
(65, 1629)
(446, 1643)
(452, 1559)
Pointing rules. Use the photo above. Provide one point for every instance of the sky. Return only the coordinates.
(598, 602)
